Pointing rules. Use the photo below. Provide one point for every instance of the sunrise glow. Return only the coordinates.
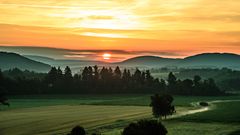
(165, 28)
(106, 56)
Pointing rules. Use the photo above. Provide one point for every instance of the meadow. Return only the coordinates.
(108, 114)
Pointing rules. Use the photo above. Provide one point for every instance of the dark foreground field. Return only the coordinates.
(108, 114)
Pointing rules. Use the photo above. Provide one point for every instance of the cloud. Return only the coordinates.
(172, 28)
(58, 53)
(98, 17)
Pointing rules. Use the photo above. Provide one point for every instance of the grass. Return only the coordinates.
(108, 114)
(60, 119)
(125, 100)
(223, 119)
(228, 112)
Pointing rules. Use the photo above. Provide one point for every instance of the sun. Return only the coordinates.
(106, 56)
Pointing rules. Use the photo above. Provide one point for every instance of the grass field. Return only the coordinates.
(61, 118)
(125, 100)
(108, 114)
(222, 119)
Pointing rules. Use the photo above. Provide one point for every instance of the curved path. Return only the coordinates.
(200, 108)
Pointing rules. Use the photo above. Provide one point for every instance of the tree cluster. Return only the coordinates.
(95, 80)
(104, 80)
(226, 79)
(145, 127)
(197, 86)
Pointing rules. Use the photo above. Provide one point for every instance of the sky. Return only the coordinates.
(122, 28)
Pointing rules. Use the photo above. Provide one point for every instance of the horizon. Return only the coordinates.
(61, 53)
(173, 29)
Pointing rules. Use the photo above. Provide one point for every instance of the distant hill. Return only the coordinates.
(205, 60)
(214, 60)
(13, 60)
(75, 65)
(148, 61)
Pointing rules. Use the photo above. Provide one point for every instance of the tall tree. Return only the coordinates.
(96, 73)
(187, 87)
(117, 72)
(104, 74)
(149, 78)
(51, 77)
(68, 74)
(1, 78)
(109, 74)
(3, 98)
(163, 86)
(137, 76)
(172, 83)
(90, 74)
(162, 105)
(59, 73)
(85, 74)
(196, 80)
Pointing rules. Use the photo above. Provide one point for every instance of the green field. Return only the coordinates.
(108, 114)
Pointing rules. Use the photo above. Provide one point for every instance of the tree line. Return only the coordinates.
(105, 80)
(226, 79)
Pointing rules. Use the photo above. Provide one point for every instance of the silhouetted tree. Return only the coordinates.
(3, 98)
(187, 86)
(117, 73)
(162, 105)
(90, 74)
(172, 83)
(96, 73)
(196, 80)
(59, 73)
(163, 86)
(1, 78)
(109, 74)
(51, 77)
(149, 78)
(137, 79)
(85, 74)
(68, 74)
(78, 130)
(211, 87)
(104, 74)
(126, 76)
(145, 127)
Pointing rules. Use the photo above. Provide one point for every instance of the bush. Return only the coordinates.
(78, 130)
(145, 127)
(203, 104)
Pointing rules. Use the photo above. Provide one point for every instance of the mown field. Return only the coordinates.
(108, 114)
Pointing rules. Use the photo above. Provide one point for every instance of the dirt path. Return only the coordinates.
(200, 108)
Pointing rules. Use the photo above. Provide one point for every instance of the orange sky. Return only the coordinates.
(174, 28)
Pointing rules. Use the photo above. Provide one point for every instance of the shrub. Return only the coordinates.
(145, 127)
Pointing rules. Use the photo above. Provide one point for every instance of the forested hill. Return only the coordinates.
(215, 60)
(13, 60)
(205, 60)
(150, 61)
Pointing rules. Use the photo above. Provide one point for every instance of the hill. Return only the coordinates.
(148, 61)
(211, 60)
(13, 60)
(205, 60)
(75, 65)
